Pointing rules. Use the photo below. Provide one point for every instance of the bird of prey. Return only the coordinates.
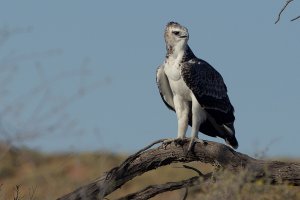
(194, 90)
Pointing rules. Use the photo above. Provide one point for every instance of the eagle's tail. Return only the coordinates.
(226, 131)
(230, 135)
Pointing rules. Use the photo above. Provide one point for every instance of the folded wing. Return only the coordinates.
(164, 87)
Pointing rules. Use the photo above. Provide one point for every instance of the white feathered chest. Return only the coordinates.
(172, 68)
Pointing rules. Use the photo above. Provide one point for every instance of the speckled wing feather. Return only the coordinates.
(209, 88)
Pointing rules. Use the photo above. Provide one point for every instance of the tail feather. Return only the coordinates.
(226, 131)
(232, 142)
(230, 135)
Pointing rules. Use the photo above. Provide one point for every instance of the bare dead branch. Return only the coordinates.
(143, 149)
(194, 169)
(154, 190)
(209, 152)
(282, 9)
(295, 18)
(185, 193)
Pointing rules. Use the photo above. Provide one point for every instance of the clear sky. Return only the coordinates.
(113, 49)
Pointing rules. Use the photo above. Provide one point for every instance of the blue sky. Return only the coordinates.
(112, 48)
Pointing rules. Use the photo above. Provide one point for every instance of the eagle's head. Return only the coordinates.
(176, 36)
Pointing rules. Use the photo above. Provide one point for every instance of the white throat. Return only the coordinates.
(172, 63)
(178, 51)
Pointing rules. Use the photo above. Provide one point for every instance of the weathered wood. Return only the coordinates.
(208, 152)
(153, 190)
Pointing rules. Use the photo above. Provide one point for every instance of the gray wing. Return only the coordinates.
(164, 87)
(209, 89)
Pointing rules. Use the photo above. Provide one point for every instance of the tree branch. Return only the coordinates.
(295, 18)
(154, 190)
(282, 9)
(208, 152)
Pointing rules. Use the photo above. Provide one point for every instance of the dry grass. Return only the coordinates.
(44, 176)
(50, 175)
(238, 186)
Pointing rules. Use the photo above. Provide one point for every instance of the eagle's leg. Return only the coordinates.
(198, 116)
(182, 112)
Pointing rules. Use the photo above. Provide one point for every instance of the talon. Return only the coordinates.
(167, 142)
(190, 145)
(192, 142)
(178, 141)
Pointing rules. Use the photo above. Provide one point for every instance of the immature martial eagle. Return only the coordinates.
(194, 90)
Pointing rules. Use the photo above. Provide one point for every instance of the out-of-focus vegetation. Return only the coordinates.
(238, 186)
(48, 176)
(35, 108)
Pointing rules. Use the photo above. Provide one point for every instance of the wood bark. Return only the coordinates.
(214, 153)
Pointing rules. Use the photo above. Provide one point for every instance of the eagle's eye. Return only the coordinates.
(175, 32)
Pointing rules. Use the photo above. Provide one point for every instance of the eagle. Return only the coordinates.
(194, 90)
